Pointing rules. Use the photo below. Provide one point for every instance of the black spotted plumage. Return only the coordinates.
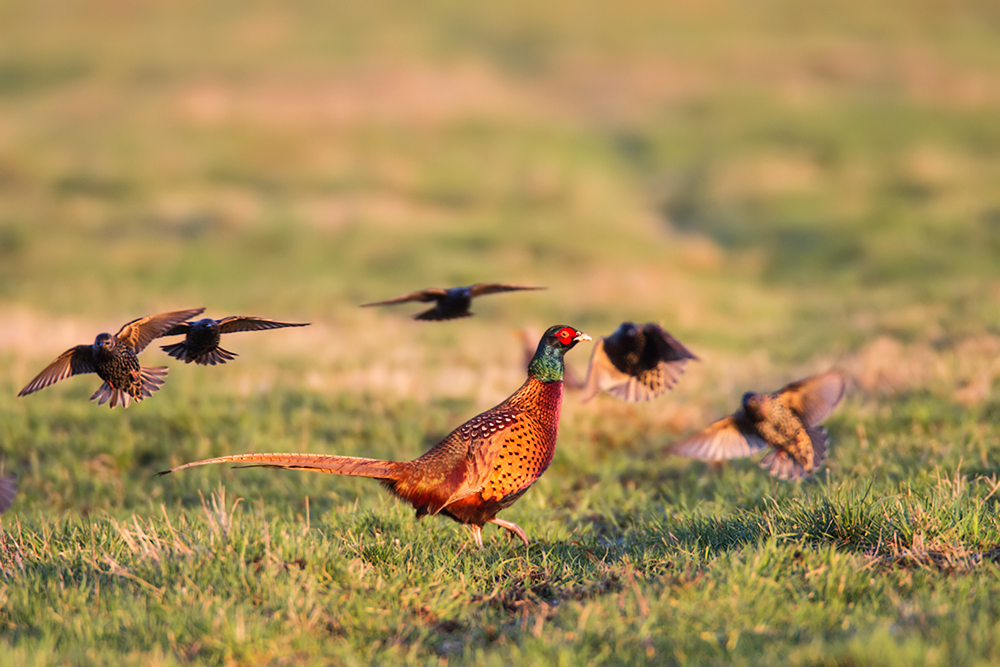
(115, 360)
(202, 338)
(635, 363)
(786, 422)
(451, 303)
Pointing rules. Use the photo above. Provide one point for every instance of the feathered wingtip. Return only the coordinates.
(603, 376)
(645, 385)
(720, 441)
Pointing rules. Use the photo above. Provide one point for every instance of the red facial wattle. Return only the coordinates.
(566, 335)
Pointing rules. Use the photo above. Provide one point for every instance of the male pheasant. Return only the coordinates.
(481, 467)
(785, 421)
(201, 342)
(635, 363)
(114, 360)
(452, 303)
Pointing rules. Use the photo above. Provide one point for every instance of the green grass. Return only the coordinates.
(783, 189)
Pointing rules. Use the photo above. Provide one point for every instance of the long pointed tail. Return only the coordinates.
(354, 466)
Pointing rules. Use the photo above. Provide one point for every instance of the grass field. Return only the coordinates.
(785, 188)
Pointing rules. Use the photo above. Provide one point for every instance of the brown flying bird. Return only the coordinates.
(114, 360)
(201, 342)
(635, 363)
(785, 421)
(451, 303)
(481, 467)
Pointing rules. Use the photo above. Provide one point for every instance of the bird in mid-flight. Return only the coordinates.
(451, 303)
(786, 422)
(114, 360)
(201, 342)
(481, 467)
(635, 363)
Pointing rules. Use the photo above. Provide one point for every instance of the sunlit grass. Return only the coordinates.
(784, 188)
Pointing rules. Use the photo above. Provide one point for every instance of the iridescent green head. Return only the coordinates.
(547, 364)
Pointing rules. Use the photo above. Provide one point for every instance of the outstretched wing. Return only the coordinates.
(181, 329)
(236, 323)
(429, 294)
(76, 360)
(138, 333)
(725, 439)
(646, 382)
(601, 374)
(663, 347)
(814, 397)
(479, 289)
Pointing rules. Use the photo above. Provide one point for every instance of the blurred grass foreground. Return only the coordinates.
(784, 186)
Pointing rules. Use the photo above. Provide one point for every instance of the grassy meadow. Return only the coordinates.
(784, 187)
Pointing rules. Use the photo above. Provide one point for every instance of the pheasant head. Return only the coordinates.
(547, 364)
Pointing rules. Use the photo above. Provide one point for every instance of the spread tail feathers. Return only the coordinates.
(176, 350)
(782, 465)
(213, 357)
(210, 358)
(354, 466)
(151, 378)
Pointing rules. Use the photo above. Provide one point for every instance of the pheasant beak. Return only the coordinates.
(580, 337)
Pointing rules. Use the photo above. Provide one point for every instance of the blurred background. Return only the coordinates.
(782, 186)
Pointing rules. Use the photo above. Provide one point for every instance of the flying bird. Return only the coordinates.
(451, 303)
(201, 342)
(786, 422)
(114, 360)
(635, 363)
(481, 467)
(8, 489)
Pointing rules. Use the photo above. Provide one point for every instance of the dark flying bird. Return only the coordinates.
(635, 363)
(785, 421)
(451, 303)
(201, 344)
(481, 467)
(114, 360)
(8, 489)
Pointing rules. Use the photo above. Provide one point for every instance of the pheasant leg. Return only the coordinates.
(512, 527)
